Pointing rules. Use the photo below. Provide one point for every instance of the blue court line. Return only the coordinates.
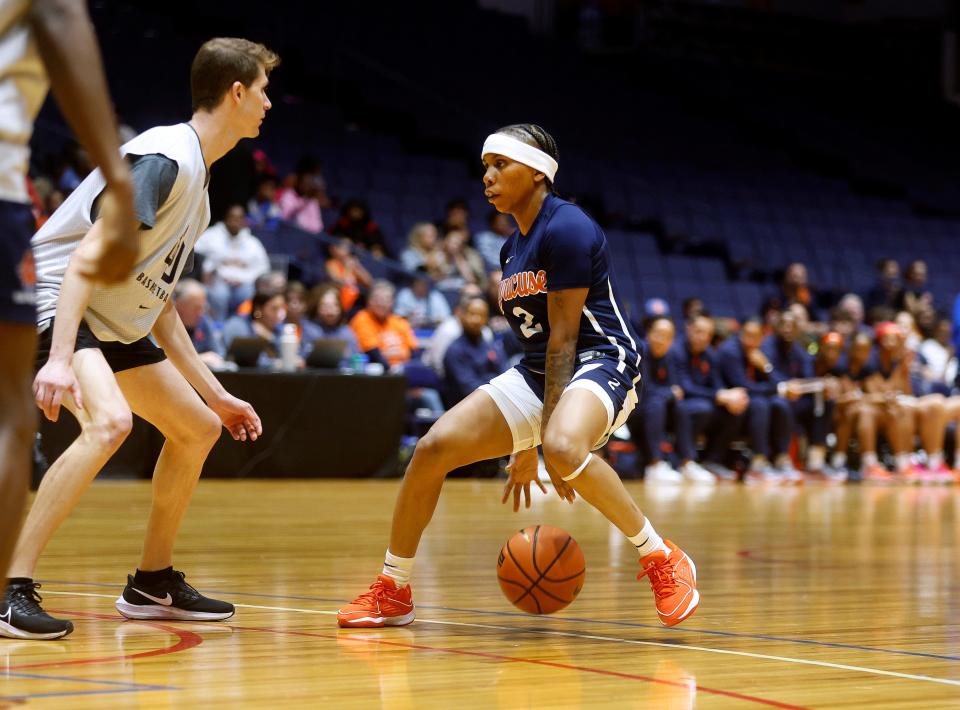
(579, 620)
(125, 687)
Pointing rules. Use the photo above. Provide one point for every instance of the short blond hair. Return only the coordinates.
(222, 61)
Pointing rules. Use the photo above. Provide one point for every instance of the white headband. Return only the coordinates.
(535, 158)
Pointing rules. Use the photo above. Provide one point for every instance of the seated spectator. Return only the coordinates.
(794, 288)
(307, 330)
(914, 295)
(464, 265)
(940, 358)
(301, 202)
(456, 216)
(326, 312)
(857, 413)
(345, 270)
(692, 307)
(268, 314)
(233, 258)
(190, 300)
(705, 408)
(272, 282)
(384, 336)
(471, 360)
(422, 305)
(810, 416)
(424, 251)
(907, 415)
(490, 241)
(450, 329)
(742, 364)
(357, 225)
(852, 305)
(886, 292)
(263, 212)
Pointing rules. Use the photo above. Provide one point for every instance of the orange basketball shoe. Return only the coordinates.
(673, 577)
(383, 605)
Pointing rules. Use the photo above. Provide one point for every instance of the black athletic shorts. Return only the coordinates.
(119, 356)
(18, 302)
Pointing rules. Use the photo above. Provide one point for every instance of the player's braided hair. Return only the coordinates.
(534, 135)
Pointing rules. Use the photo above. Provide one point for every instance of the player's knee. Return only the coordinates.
(110, 429)
(18, 422)
(439, 446)
(562, 452)
(207, 431)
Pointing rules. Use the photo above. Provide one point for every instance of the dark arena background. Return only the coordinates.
(777, 186)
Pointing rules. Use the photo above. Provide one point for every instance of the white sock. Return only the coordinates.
(839, 459)
(903, 462)
(647, 540)
(816, 457)
(398, 569)
(783, 461)
(935, 460)
(758, 462)
(869, 458)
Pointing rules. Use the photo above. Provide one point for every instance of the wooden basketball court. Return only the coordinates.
(820, 597)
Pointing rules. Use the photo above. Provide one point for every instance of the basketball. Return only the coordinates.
(541, 569)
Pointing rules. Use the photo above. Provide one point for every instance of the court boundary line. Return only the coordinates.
(615, 639)
(583, 620)
(129, 687)
(533, 661)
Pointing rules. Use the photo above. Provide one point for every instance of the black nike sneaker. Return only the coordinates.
(21, 616)
(170, 598)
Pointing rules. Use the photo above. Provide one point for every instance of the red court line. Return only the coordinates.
(188, 640)
(532, 661)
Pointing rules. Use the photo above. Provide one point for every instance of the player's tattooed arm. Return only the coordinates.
(564, 310)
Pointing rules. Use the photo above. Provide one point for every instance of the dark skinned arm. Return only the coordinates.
(564, 309)
(68, 47)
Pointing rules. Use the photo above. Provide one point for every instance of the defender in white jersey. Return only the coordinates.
(37, 39)
(96, 356)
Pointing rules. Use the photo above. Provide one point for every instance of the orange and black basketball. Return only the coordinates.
(541, 569)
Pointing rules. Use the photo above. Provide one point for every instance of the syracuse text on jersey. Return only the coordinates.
(524, 283)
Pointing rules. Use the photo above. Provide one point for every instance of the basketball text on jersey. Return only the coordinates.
(524, 283)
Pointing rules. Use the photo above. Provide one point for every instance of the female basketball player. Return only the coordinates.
(575, 385)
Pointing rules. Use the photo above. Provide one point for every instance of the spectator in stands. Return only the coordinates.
(705, 408)
(742, 364)
(326, 311)
(490, 241)
(692, 307)
(464, 265)
(423, 305)
(915, 295)
(886, 291)
(356, 224)
(456, 216)
(301, 202)
(263, 212)
(233, 258)
(794, 288)
(190, 300)
(268, 313)
(307, 331)
(345, 270)
(384, 336)
(450, 329)
(858, 413)
(908, 415)
(424, 251)
(811, 415)
(852, 304)
(940, 356)
(471, 360)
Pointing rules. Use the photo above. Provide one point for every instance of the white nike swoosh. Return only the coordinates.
(8, 615)
(166, 601)
(509, 259)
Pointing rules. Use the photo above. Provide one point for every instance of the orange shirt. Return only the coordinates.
(394, 338)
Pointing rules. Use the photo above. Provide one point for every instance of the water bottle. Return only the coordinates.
(289, 347)
(360, 361)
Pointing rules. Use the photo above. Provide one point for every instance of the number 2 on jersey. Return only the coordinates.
(529, 327)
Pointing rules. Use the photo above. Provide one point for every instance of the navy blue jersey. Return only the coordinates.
(564, 249)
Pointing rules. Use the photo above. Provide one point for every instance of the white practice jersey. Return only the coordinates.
(127, 311)
(23, 87)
